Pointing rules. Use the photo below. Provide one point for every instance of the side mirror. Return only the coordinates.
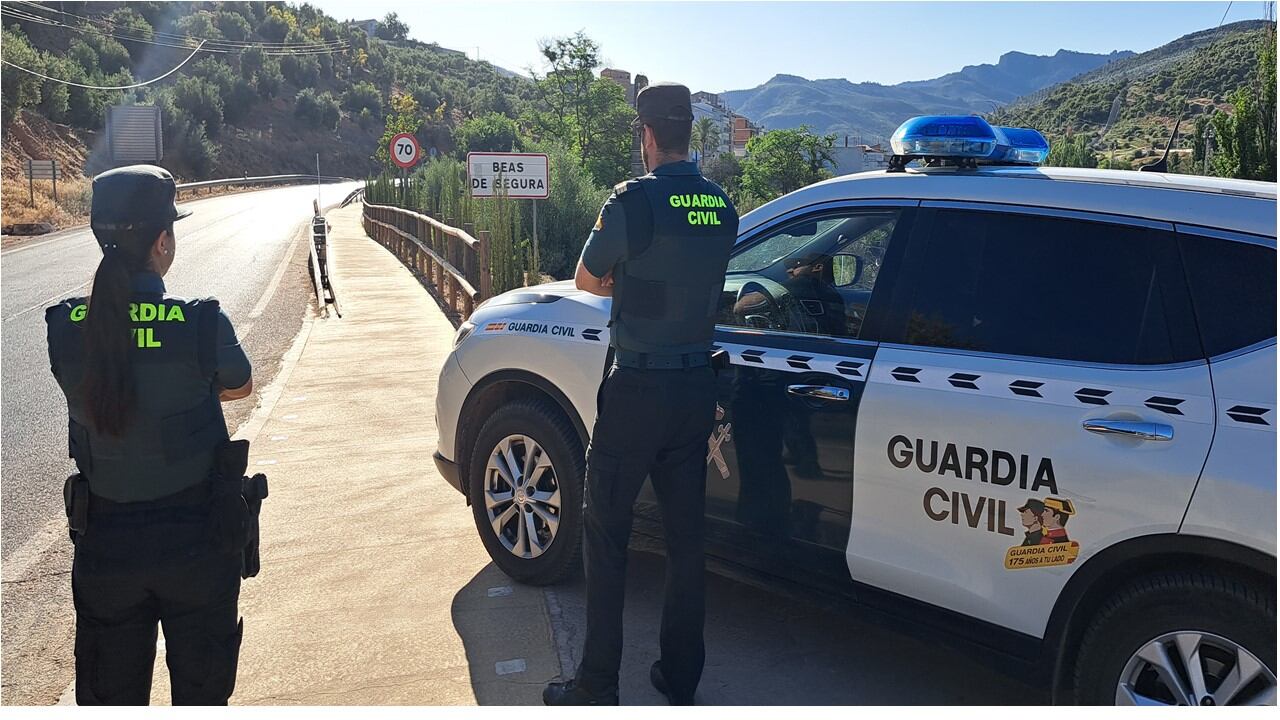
(847, 269)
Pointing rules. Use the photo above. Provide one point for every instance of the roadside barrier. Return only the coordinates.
(452, 260)
(196, 187)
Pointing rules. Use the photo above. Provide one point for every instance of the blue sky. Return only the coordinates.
(720, 46)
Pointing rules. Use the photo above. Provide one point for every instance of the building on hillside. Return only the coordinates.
(623, 78)
(707, 98)
(370, 27)
(856, 158)
(743, 131)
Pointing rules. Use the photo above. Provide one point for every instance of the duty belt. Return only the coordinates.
(659, 361)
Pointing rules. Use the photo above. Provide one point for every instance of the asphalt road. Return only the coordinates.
(248, 250)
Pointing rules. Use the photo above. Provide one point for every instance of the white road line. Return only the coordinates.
(270, 290)
(46, 303)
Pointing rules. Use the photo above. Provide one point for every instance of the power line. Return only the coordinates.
(162, 39)
(174, 37)
(102, 87)
(1224, 15)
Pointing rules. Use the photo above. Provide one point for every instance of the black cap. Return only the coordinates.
(664, 101)
(132, 196)
(1034, 505)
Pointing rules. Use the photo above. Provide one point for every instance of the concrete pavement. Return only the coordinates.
(374, 588)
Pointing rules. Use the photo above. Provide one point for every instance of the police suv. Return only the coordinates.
(1035, 407)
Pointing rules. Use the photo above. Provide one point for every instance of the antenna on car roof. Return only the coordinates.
(1162, 165)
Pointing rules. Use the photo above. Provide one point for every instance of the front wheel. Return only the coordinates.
(525, 482)
(1181, 639)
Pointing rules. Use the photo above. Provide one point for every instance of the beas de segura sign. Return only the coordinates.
(516, 175)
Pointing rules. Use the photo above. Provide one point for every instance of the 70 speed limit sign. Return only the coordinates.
(405, 150)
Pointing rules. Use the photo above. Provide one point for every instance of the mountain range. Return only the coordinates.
(869, 112)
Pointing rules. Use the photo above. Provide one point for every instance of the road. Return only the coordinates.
(244, 249)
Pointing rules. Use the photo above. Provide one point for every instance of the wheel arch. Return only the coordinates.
(1103, 574)
(496, 389)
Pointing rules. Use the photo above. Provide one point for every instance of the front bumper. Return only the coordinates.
(450, 471)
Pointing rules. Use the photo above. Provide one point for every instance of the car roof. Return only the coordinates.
(1245, 206)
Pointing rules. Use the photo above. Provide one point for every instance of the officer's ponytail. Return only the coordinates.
(107, 385)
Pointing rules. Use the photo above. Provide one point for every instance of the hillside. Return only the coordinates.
(871, 111)
(322, 86)
(1187, 78)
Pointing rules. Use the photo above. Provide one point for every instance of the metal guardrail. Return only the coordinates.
(319, 262)
(260, 180)
(452, 260)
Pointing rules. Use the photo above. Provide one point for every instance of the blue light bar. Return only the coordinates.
(1023, 145)
(962, 136)
(967, 137)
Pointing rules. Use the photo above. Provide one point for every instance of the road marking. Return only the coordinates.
(500, 591)
(289, 417)
(266, 462)
(270, 290)
(278, 438)
(19, 563)
(509, 667)
(46, 303)
(60, 235)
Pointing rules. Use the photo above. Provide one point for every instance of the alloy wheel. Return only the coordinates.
(1189, 667)
(522, 496)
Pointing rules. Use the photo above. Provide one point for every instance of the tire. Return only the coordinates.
(1160, 613)
(523, 550)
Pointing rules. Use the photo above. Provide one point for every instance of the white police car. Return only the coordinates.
(1034, 407)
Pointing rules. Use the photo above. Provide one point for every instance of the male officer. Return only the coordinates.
(660, 249)
(156, 510)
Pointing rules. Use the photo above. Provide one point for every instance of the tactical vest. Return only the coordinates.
(667, 290)
(177, 422)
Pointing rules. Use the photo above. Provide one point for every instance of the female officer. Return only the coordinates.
(143, 373)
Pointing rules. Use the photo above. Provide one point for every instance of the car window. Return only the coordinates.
(1233, 287)
(1049, 287)
(812, 276)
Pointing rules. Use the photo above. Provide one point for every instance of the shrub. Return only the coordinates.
(240, 101)
(217, 72)
(301, 70)
(319, 110)
(201, 102)
(565, 218)
(363, 96)
(269, 79)
(232, 25)
(20, 90)
(488, 133)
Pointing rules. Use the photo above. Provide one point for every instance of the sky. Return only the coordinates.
(718, 46)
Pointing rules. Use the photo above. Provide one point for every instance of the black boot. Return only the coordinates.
(570, 693)
(660, 683)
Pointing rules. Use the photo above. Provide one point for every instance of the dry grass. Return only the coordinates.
(72, 207)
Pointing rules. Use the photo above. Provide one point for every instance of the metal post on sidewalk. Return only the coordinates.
(537, 270)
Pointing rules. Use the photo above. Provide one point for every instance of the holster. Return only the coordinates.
(719, 360)
(75, 496)
(237, 502)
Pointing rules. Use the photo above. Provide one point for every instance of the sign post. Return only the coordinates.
(42, 170)
(515, 175)
(405, 152)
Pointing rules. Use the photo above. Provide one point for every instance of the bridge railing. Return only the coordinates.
(195, 187)
(453, 261)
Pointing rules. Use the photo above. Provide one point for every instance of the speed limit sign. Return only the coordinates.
(405, 150)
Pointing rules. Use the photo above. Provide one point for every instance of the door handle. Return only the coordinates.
(1131, 428)
(819, 392)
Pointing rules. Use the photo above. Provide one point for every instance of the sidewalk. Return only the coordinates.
(374, 586)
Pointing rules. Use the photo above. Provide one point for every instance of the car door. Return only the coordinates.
(794, 320)
(1040, 395)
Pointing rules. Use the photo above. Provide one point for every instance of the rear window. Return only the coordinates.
(1233, 287)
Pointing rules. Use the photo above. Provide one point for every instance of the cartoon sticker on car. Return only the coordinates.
(1045, 541)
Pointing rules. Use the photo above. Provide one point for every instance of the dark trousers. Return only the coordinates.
(125, 579)
(651, 423)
